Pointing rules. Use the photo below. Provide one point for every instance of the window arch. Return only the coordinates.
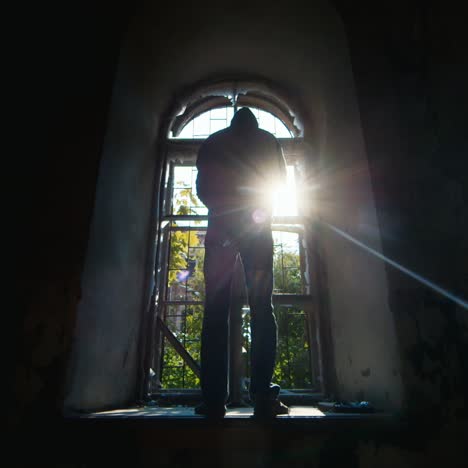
(234, 93)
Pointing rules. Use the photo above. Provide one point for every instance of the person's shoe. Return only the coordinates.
(211, 412)
(269, 409)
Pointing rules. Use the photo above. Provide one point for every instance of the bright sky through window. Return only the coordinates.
(284, 198)
(216, 119)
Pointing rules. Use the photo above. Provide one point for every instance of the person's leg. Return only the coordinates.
(257, 256)
(218, 267)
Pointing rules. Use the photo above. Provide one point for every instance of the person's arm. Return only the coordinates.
(202, 165)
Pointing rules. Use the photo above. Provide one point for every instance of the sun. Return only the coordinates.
(284, 199)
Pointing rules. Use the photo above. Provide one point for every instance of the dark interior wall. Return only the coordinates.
(411, 87)
(69, 61)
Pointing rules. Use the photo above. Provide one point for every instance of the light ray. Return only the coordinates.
(403, 269)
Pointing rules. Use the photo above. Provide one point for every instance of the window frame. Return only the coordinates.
(182, 152)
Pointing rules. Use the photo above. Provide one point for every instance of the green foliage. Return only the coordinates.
(292, 369)
(186, 326)
(293, 362)
(286, 272)
(184, 202)
(179, 258)
(179, 247)
(184, 321)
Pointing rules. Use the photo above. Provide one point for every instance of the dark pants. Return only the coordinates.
(228, 237)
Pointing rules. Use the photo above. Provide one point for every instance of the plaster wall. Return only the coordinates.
(367, 362)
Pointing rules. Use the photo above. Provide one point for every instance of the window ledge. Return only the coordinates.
(298, 415)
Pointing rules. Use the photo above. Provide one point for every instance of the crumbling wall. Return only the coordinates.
(410, 84)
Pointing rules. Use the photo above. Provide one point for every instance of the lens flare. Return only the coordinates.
(182, 275)
(259, 216)
(284, 198)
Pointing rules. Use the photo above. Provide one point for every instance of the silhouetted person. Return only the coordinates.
(236, 167)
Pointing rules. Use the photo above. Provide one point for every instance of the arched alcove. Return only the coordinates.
(162, 61)
(243, 91)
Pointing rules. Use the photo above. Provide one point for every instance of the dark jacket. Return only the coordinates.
(237, 165)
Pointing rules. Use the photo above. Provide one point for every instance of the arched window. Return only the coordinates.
(181, 282)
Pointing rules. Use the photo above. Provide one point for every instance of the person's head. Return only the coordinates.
(244, 120)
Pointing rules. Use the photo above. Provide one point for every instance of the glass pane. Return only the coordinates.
(201, 125)
(185, 322)
(173, 369)
(217, 125)
(267, 121)
(286, 263)
(219, 113)
(174, 318)
(200, 211)
(293, 367)
(194, 324)
(186, 281)
(184, 197)
(182, 176)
